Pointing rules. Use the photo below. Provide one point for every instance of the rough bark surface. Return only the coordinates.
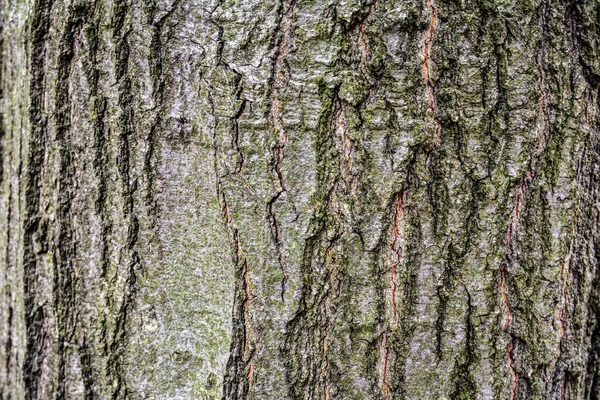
(304, 199)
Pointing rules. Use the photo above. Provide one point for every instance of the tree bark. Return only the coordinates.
(303, 199)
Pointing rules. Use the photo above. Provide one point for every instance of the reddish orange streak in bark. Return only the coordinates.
(250, 375)
(396, 247)
(363, 38)
(280, 83)
(529, 177)
(246, 305)
(347, 143)
(385, 389)
(425, 66)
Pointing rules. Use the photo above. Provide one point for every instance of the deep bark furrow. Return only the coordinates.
(35, 315)
(65, 274)
(121, 32)
(277, 82)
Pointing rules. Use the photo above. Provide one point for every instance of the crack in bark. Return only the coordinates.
(464, 384)
(277, 83)
(399, 218)
(385, 357)
(542, 143)
(9, 328)
(348, 148)
(362, 33)
(37, 337)
(240, 365)
(396, 246)
(306, 346)
(2, 100)
(64, 249)
(126, 123)
(242, 349)
(158, 95)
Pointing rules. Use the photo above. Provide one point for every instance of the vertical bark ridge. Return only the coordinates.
(159, 83)
(121, 32)
(583, 380)
(311, 374)
(402, 286)
(426, 74)
(282, 38)
(240, 365)
(64, 251)
(3, 66)
(35, 239)
(97, 335)
(7, 306)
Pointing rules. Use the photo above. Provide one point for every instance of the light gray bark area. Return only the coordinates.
(373, 199)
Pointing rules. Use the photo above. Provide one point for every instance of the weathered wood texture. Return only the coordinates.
(304, 199)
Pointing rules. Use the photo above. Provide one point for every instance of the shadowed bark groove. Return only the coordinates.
(35, 235)
(129, 186)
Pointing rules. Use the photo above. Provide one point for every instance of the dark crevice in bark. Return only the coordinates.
(465, 386)
(276, 84)
(235, 128)
(102, 201)
(592, 368)
(583, 35)
(64, 251)
(402, 284)
(126, 122)
(401, 338)
(240, 365)
(239, 371)
(590, 220)
(2, 97)
(100, 160)
(8, 346)
(86, 356)
(587, 178)
(101, 154)
(518, 208)
(443, 291)
(157, 48)
(34, 240)
(220, 46)
(426, 74)
(457, 252)
(307, 334)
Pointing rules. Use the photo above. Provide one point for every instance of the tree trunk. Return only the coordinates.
(303, 199)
